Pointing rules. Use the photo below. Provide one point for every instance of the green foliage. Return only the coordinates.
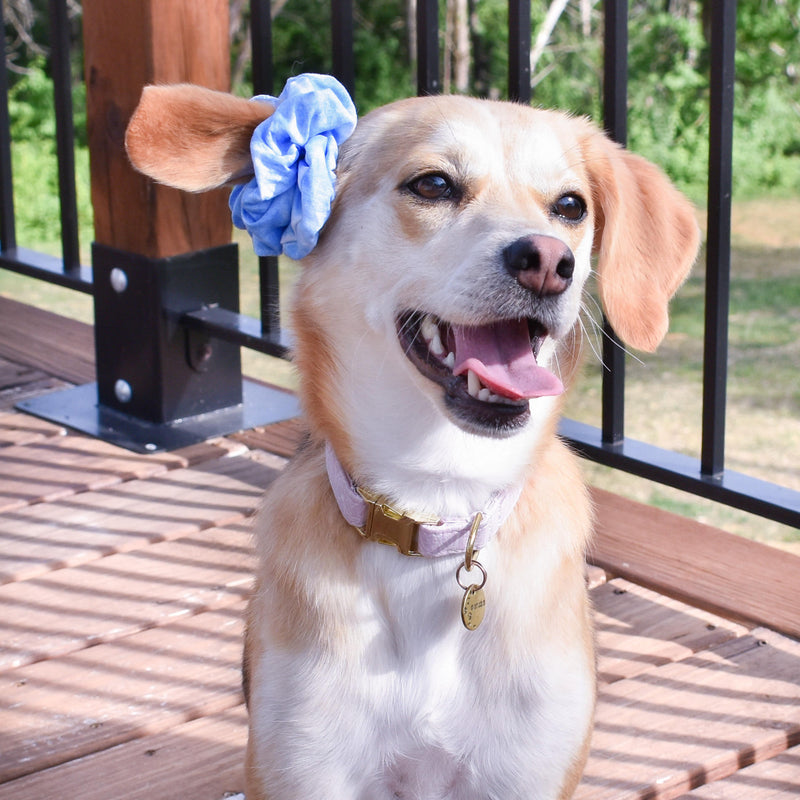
(767, 144)
(768, 43)
(301, 42)
(668, 75)
(380, 45)
(36, 205)
(668, 87)
(668, 96)
(669, 66)
(34, 162)
(30, 104)
(569, 75)
(490, 48)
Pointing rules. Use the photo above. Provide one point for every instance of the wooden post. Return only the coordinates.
(129, 44)
(159, 255)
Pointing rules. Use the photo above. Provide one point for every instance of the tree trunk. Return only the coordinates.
(456, 47)
(411, 27)
(554, 13)
(461, 49)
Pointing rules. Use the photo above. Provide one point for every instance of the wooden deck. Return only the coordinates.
(123, 578)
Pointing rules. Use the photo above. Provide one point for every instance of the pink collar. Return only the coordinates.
(377, 521)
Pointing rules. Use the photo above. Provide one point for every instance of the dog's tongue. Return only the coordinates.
(500, 355)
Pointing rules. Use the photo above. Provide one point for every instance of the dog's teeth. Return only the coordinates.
(428, 328)
(473, 384)
(430, 332)
(449, 360)
(480, 392)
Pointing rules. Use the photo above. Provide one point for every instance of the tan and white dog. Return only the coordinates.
(434, 326)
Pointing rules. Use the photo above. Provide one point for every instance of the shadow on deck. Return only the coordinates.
(123, 578)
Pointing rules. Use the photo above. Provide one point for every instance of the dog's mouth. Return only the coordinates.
(488, 372)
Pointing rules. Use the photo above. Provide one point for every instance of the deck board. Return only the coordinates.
(684, 558)
(768, 780)
(696, 720)
(151, 768)
(22, 429)
(49, 687)
(19, 382)
(281, 438)
(71, 609)
(123, 578)
(59, 710)
(86, 526)
(47, 470)
(639, 629)
(56, 467)
(59, 347)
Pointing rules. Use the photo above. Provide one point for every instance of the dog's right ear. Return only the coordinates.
(193, 138)
(646, 240)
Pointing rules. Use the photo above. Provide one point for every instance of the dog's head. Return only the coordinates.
(446, 286)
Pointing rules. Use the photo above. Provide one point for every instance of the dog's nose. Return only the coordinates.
(542, 264)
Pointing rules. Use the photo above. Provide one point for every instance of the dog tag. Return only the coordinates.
(473, 607)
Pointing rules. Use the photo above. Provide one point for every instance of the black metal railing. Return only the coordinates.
(607, 444)
(67, 270)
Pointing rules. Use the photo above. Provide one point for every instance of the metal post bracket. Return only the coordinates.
(161, 385)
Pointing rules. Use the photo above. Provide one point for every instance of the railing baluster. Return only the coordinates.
(519, 51)
(342, 38)
(428, 80)
(615, 70)
(615, 121)
(65, 139)
(269, 295)
(263, 81)
(261, 41)
(8, 235)
(718, 251)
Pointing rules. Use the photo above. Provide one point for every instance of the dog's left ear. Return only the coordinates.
(193, 138)
(646, 240)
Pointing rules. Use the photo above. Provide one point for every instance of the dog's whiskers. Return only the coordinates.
(408, 325)
(599, 328)
(591, 331)
(592, 340)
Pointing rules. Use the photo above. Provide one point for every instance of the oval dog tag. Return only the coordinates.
(473, 607)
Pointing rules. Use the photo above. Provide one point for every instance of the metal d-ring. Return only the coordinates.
(471, 585)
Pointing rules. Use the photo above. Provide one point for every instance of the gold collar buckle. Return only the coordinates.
(387, 525)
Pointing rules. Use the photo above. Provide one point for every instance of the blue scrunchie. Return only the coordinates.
(294, 152)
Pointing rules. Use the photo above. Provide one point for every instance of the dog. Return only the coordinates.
(420, 626)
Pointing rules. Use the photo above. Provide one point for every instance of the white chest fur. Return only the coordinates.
(409, 704)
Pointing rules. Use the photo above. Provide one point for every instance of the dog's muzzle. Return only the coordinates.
(489, 372)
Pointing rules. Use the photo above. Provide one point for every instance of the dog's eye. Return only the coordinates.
(432, 187)
(570, 207)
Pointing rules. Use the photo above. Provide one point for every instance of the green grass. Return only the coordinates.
(664, 390)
